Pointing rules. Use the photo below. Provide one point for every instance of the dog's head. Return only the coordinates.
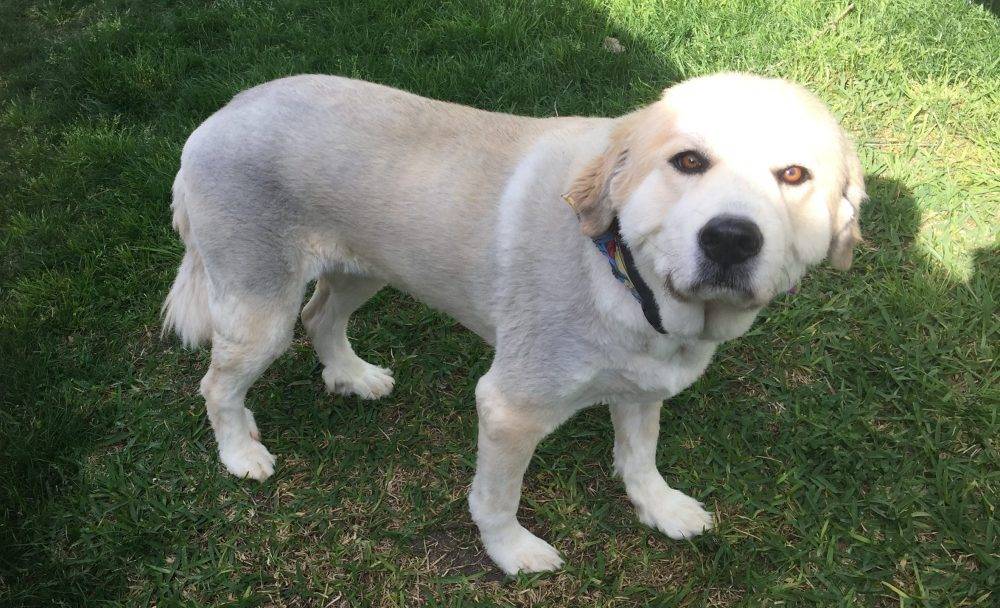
(728, 188)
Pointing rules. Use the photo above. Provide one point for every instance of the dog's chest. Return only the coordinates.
(650, 374)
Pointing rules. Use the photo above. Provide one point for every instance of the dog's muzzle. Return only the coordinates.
(729, 245)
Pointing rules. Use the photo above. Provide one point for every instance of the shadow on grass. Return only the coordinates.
(885, 425)
(992, 6)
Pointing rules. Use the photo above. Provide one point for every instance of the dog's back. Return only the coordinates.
(297, 177)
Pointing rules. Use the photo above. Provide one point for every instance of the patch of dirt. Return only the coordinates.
(455, 551)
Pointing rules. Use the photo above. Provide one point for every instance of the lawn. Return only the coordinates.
(850, 442)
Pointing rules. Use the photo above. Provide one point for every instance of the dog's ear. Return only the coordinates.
(592, 193)
(845, 210)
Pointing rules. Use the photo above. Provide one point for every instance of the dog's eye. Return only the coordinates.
(690, 162)
(793, 175)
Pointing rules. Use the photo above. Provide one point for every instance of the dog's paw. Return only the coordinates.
(247, 459)
(358, 377)
(675, 514)
(521, 551)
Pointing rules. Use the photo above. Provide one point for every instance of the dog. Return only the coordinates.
(604, 259)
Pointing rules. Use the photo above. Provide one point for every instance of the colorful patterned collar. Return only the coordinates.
(616, 251)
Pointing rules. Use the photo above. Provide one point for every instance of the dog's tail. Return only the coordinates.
(185, 311)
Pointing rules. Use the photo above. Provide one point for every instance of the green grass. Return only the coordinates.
(849, 441)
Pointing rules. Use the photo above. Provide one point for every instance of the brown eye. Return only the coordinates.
(690, 162)
(793, 175)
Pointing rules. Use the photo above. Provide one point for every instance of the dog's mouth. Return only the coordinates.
(674, 292)
(732, 289)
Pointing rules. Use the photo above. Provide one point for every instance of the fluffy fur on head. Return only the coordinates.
(748, 128)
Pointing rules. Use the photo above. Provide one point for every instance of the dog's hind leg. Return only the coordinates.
(249, 332)
(325, 317)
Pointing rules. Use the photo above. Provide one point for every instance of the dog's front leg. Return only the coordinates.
(658, 505)
(508, 434)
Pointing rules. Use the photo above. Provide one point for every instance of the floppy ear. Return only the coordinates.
(591, 193)
(845, 211)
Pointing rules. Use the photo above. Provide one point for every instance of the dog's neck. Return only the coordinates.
(616, 251)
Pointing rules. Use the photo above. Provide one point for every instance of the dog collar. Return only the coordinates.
(613, 247)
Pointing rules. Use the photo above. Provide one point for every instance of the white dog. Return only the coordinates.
(683, 219)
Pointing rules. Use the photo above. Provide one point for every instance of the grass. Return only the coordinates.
(849, 441)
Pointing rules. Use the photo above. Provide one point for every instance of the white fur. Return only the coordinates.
(358, 186)
(185, 310)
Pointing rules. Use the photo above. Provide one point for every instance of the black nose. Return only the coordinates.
(730, 239)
